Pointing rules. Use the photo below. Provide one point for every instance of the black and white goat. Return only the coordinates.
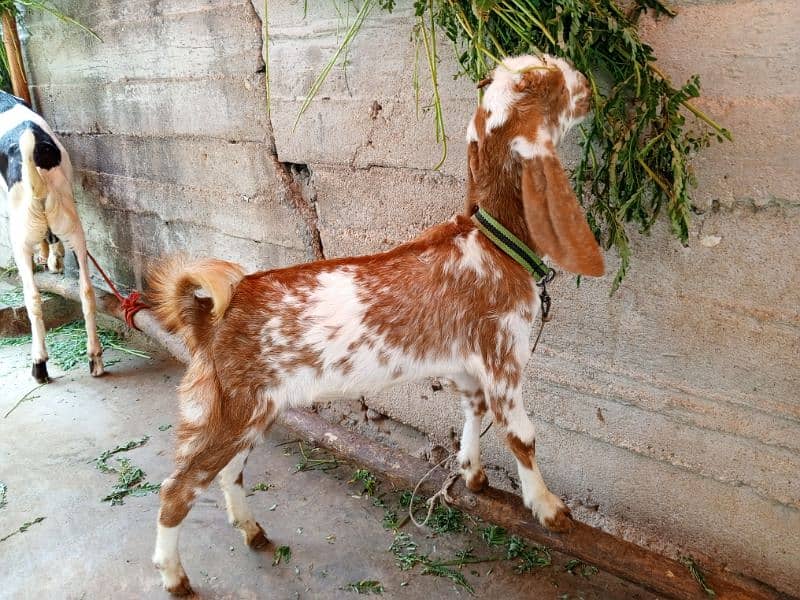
(37, 176)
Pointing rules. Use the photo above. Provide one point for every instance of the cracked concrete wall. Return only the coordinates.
(669, 413)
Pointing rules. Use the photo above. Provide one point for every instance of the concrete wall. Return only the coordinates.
(669, 414)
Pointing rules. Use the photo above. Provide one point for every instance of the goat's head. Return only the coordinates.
(514, 171)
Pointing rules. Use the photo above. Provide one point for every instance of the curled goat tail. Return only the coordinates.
(175, 283)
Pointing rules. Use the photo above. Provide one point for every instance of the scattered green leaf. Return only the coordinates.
(23, 528)
(282, 554)
(365, 586)
(130, 478)
(697, 573)
(164, 427)
(578, 567)
(368, 481)
(308, 463)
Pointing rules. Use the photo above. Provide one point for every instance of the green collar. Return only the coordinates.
(512, 245)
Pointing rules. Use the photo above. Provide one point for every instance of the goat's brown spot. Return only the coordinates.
(478, 482)
(561, 522)
(182, 588)
(524, 453)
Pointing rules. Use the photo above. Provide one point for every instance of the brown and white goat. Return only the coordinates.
(449, 304)
(37, 177)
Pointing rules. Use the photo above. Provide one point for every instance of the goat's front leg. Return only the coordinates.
(33, 304)
(469, 454)
(93, 347)
(509, 411)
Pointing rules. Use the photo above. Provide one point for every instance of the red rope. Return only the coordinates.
(130, 304)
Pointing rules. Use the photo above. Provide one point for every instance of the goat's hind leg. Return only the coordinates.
(231, 480)
(55, 258)
(88, 304)
(199, 458)
(469, 454)
(33, 304)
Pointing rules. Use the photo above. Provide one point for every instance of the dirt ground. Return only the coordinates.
(85, 548)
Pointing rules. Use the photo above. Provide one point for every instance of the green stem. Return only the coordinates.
(695, 111)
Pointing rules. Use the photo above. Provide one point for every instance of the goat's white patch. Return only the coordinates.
(501, 93)
(472, 256)
(192, 412)
(333, 318)
(271, 333)
(524, 148)
(472, 132)
(166, 552)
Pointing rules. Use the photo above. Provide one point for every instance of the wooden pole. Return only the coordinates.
(633, 563)
(19, 81)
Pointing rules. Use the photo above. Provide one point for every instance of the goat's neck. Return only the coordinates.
(510, 215)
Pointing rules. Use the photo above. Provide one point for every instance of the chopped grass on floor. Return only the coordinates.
(130, 482)
(164, 427)
(445, 519)
(529, 556)
(368, 481)
(405, 551)
(130, 478)
(261, 487)
(308, 463)
(282, 554)
(15, 297)
(3, 494)
(697, 573)
(23, 528)
(9, 271)
(365, 586)
(390, 519)
(578, 567)
(406, 498)
(66, 345)
(102, 461)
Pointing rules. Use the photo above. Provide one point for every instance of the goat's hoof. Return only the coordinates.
(259, 540)
(182, 588)
(96, 366)
(39, 372)
(477, 482)
(560, 521)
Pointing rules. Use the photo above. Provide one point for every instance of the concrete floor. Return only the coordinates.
(87, 549)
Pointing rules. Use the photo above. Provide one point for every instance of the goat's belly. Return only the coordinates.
(357, 377)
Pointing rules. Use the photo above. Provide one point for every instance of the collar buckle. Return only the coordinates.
(544, 297)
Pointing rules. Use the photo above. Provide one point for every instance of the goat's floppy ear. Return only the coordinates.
(555, 220)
